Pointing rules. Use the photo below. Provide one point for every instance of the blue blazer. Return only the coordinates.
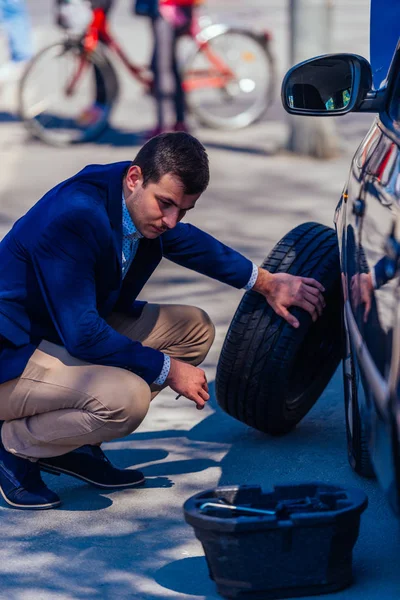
(60, 274)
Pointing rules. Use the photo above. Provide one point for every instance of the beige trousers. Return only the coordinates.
(60, 403)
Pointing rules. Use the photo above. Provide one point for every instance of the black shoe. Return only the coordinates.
(21, 484)
(92, 465)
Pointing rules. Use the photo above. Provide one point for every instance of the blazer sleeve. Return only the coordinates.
(191, 247)
(65, 259)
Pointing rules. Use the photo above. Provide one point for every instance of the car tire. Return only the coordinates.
(269, 374)
(356, 431)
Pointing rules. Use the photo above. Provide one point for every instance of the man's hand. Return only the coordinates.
(188, 381)
(282, 291)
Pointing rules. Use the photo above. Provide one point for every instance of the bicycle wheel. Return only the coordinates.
(66, 95)
(229, 81)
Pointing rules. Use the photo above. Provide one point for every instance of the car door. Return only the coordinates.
(371, 224)
(373, 244)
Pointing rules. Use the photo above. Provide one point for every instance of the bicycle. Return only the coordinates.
(229, 81)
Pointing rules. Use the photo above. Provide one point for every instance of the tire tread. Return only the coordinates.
(250, 383)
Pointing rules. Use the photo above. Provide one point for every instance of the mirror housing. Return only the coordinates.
(330, 85)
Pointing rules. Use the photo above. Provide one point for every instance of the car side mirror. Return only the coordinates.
(334, 84)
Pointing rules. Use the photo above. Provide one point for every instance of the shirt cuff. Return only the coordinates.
(253, 278)
(164, 371)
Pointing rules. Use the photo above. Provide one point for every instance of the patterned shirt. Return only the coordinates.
(130, 239)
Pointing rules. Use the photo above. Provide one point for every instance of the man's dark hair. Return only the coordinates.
(179, 154)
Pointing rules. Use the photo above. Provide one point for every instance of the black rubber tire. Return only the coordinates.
(356, 432)
(269, 374)
(110, 89)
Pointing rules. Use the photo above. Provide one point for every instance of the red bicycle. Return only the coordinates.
(229, 81)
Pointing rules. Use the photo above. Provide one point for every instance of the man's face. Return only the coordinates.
(158, 206)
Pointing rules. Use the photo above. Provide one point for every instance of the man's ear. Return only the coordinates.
(133, 177)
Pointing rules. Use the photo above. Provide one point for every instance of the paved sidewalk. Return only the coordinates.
(135, 544)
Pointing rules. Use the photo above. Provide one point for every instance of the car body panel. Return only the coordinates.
(368, 224)
(367, 220)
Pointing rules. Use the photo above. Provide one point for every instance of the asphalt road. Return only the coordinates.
(135, 544)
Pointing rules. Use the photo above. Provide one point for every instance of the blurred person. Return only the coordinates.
(173, 20)
(80, 357)
(76, 16)
(14, 19)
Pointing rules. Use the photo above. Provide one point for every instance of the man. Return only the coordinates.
(173, 19)
(80, 358)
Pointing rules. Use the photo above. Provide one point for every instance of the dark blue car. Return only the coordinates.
(270, 375)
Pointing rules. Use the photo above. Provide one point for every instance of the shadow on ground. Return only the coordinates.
(127, 552)
(6, 117)
(125, 139)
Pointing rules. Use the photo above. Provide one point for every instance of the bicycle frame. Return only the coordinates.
(210, 67)
(217, 75)
(98, 31)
